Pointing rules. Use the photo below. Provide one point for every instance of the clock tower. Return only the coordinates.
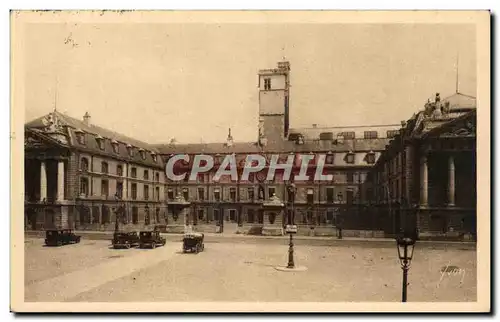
(274, 94)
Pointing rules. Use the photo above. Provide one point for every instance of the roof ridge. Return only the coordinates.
(98, 127)
(344, 126)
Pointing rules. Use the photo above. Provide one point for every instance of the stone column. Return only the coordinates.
(60, 180)
(423, 181)
(43, 181)
(451, 181)
(125, 182)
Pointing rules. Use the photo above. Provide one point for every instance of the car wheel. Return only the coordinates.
(59, 243)
(127, 245)
(153, 245)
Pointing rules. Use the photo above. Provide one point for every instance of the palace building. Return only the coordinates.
(81, 176)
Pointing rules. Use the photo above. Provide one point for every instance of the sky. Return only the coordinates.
(193, 81)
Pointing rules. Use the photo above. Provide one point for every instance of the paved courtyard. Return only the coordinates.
(93, 272)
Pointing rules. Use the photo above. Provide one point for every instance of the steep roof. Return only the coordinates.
(312, 133)
(67, 120)
(67, 128)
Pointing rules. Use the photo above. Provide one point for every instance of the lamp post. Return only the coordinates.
(117, 211)
(405, 244)
(291, 228)
(146, 215)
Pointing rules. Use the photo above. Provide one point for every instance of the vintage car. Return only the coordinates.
(60, 237)
(150, 239)
(193, 242)
(125, 239)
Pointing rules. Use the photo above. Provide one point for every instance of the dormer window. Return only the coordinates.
(80, 136)
(329, 158)
(100, 142)
(130, 150)
(143, 154)
(116, 146)
(154, 157)
(349, 158)
(371, 134)
(370, 157)
(348, 135)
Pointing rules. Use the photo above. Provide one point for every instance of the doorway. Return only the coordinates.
(231, 221)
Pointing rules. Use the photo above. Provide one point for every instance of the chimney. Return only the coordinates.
(229, 138)
(86, 119)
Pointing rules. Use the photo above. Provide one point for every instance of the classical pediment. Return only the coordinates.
(463, 129)
(35, 141)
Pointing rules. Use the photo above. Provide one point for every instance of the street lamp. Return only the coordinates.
(405, 245)
(117, 199)
(291, 228)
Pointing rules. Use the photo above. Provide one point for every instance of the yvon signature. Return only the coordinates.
(449, 270)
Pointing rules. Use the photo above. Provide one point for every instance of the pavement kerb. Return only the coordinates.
(313, 240)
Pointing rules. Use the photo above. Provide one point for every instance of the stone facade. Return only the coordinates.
(74, 170)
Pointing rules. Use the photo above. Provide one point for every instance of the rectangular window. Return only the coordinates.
(310, 196)
(216, 215)
(232, 194)
(133, 172)
(146, 192)
(157, 193)
(170, 194)
(350, 177)
(267, 84)
(201, 178)
(251, 195)
(329, 195)
(201, 214)
(157, 177)
(119, 189)
(271, 191)
(104, 167)
(84, 186)
(349, 135)
(119, 170)
(115, 147)
(349, 158)
(392, 133)
(201, 194)
(371, 134)
(133, 192)
(104, 188)
(331, 218)
(217, 194)
(251, 216)
(185, 193)
(329, 159)
(370, 158)
(350, 196)
(135, 215)
(146, 175)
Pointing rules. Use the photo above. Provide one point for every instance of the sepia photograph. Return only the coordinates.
(250, 161)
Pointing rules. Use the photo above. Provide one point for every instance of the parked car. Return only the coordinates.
(151, 239)
(125, 239)
(59, 237)
(193, 242)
